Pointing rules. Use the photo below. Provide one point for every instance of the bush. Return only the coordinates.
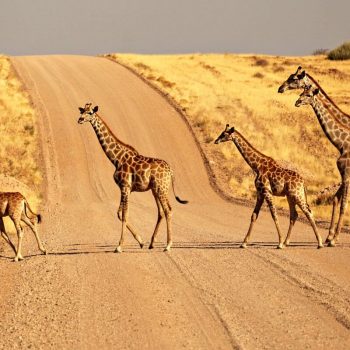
(318, 52)
(341, 52)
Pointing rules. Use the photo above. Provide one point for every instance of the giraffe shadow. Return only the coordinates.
(99, 248)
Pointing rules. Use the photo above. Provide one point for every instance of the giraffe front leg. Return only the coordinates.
(343, 206)
(255, 214)
(269, 200)
(124, 205)
(36, 234)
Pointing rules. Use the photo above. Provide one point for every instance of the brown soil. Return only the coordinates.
(206, 293)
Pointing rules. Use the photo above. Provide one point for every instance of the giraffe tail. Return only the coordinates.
(27, 206)
(177, 198)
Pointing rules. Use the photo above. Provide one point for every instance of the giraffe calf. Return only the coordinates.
(15, 205)
(272, 180)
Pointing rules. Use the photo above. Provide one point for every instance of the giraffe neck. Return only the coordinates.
(337, 133)
(252, 156)
(116, 150)
(336, 112)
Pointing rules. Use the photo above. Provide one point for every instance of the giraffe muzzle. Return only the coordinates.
(281, 89)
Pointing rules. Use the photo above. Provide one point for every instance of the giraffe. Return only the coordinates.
(300, 80)
(339, 135)
(134, 172)
(15, 205)
(272, 180)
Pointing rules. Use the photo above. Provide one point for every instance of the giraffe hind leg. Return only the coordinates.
(336, 200)
(26, 220)
(308, 213)
(19, 230)
(343, 206)
(168, 214)
(159, 219)
(293, 216)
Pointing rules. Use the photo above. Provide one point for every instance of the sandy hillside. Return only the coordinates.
(206, 293)
(216, 89)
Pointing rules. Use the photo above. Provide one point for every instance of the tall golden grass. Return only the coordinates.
(19, 148)
(215, 89)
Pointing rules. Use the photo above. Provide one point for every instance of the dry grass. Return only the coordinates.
(19, 137)
(242, 90)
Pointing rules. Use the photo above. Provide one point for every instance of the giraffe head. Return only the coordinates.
(87, 114)
(226, 135)
(295, 81)
(308, 96)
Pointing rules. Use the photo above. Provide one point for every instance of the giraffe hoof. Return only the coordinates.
(167, 249)
(331, 243)
(328, 239)
(286, 243)
(243, 245)
(280, 246)
(320, 246)
(141, 245)
(118, 249)
(18, 258)
(151, 246)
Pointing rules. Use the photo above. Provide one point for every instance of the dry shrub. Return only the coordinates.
(320, 52)
(210, 68)
(340, 53)
(326, 195)
(165, 83)
(261, 62)
(258, 75)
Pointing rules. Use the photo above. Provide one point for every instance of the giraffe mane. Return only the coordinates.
(116, 138)
(325, 94)
(250, 145)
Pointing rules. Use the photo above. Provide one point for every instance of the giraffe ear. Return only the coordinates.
(82, 110)
(95, 109)
(302, 75)
(316, 91)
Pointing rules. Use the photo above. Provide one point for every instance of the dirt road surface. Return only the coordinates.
(206, 293)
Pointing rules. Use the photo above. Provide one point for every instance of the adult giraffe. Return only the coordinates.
(134, 172)
(339, 135)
